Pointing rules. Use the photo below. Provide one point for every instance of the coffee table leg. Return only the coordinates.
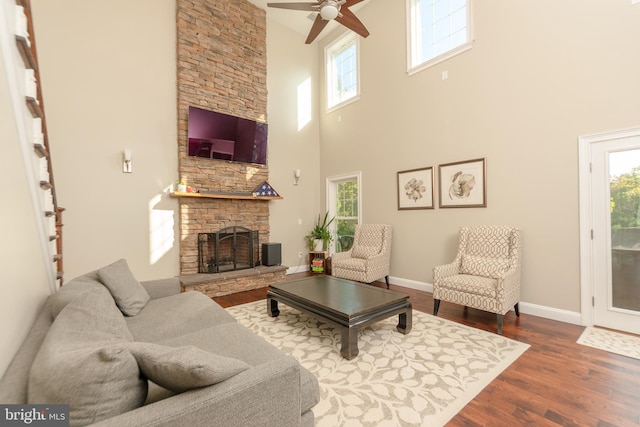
(349, 342)
(272, 307)
(405, 321)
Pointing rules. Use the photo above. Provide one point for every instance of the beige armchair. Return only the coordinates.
(369, 256)
(485, 273)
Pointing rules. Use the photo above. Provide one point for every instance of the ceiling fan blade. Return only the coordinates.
(312, 7)
(351, 21)
(350, 3)
(318, 26)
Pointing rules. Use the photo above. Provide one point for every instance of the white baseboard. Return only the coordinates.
(298, 269)
(411, 284)
(551, 313)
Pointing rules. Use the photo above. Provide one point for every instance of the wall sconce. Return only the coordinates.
(126, 161)
(296, 176)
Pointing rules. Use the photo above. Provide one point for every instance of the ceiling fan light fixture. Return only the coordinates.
(329, 10)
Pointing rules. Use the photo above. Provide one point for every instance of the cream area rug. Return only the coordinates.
(420, 379)
(611, 341)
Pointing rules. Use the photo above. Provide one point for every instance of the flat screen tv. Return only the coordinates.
(214, 135)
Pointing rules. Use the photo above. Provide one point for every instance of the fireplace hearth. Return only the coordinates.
(229, 249)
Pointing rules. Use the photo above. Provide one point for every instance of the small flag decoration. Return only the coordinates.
(265, 190)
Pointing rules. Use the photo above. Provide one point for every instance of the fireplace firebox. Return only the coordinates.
(229, 249)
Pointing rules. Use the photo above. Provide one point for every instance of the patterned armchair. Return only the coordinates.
(485, 274)
(369, 256)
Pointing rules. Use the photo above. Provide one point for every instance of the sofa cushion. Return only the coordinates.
(238, 342)
(70, 291)
(82, 362)
(484, 266)
(191, 311)
(183, 368)
(129, 294)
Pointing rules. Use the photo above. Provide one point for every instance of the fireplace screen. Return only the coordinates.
(232, 248)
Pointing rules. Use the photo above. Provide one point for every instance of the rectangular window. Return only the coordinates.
(347, 216)
(437, 30)
(341, 59)
(344, 202)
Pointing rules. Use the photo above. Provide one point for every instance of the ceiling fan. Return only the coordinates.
(328, 10)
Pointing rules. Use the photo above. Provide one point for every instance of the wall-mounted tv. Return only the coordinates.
(214, 135)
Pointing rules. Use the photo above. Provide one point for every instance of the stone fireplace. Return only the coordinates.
(222, 66)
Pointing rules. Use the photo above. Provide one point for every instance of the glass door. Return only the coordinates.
(616, 233)
(624, 190)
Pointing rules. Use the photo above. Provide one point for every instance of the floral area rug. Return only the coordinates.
(611, 341)
(422, 378)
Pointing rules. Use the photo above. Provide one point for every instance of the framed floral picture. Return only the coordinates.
(415, 189)
(463, 184)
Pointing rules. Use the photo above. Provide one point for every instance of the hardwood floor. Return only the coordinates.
(557, 382)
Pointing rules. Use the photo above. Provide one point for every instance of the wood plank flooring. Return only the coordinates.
(557, 382)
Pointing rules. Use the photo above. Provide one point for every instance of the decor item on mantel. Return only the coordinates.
(181, 186)
(265, 190)
(320, 237)
(262, 192)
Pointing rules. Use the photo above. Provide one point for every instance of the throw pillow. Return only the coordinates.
(82, 362)
(70, 291)
(364, 252)
(183, 368)
(129, 294)
(484, 266)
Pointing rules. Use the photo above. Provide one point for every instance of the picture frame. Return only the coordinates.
(463, 184)
(415, 189)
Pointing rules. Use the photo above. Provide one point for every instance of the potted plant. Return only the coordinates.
(320, 237)
(181, 185)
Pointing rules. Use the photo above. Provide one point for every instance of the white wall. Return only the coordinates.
(108, 90)
(24, 280)
(539, 75)
(109, 82)
(290, 63)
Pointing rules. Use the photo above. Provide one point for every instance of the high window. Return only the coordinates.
(341, 58)
(437, 30)
(344, 203)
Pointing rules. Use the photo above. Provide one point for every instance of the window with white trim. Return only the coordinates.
(437, 30)
(344, 201)
(341, 58)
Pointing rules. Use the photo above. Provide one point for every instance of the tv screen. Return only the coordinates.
(214, 135)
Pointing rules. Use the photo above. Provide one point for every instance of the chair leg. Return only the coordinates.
(517, 309)
(436, 306)
(386, 279)
(500, 323)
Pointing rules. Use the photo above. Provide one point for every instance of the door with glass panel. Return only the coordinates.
(615, 186)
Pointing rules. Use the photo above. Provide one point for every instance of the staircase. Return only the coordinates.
(37, 137)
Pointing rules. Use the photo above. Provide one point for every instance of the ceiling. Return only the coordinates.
(298, 20)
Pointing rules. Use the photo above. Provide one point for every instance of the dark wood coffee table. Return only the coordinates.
(346, 304)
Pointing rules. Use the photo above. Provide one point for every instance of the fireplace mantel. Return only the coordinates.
(222, 195)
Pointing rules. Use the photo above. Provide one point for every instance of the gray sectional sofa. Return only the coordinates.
(124, 353)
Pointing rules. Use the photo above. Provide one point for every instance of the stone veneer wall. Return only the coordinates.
(222, 66)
